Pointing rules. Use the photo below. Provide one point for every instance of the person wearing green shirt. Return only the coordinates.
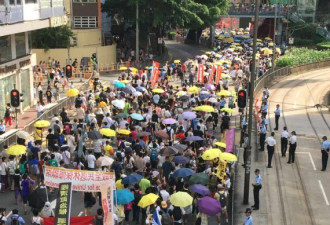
(52, 161)
(127, 107)
(144, 183)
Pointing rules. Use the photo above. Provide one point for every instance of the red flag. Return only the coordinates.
(155, 79)
(154, 73)
(218, 74)
(211, 75)
(74, 220)
(200, 73)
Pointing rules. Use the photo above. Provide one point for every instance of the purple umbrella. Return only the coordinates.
(210, 87)
(209, 206)
(180, 159)
(169, 121)
(200, 189)
(189, 115)
(194, 138)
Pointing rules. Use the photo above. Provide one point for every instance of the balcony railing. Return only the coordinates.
(264, 10)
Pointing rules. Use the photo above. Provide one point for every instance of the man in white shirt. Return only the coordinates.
(57, 153)
(90, 160)
(271, 143)
(66, 157)
(293, 146)
(164, 194)
(284, 141)
(40, 109)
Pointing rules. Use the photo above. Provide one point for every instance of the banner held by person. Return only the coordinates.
(200, 73)
(154, 73)
(63, 208)
(107, 202)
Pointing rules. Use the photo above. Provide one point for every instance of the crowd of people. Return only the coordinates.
(153, 129)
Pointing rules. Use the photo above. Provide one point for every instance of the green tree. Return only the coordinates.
(53, 37)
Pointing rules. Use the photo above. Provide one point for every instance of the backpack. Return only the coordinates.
(78, 102)
(137, 197)
(11, 168)
(7, 113)
(166, 218)
(177, 214)
(153, 155)
(61, 139)
(14, 220)
(35, 169)
(222, 199)
(23, 167)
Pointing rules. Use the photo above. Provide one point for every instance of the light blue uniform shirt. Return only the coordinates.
(263, 129)
(248, 220)
(326, 145)
(277, 111)
(258, 179)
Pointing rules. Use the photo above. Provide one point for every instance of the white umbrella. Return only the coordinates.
(23, 134)
(137, 93)
(120, 104)
(213, 100)
(107, 161)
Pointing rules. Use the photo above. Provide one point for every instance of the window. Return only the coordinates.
(30, 1)
(84, 1)
(12, 2)
(45, 3)
(20, 45)
(85, 22)
(57, 3)
(5, 49)
(18, 2)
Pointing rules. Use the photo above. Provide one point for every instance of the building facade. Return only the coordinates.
(17, 19)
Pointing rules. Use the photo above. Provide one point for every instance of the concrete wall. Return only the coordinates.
(88, 37)
(106, 54)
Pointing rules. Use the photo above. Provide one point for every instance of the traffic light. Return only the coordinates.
(68, 71)
(94, 58)
(241, 99)
(15, 98)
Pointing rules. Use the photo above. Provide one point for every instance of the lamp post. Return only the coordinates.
(274, 36)
(137, 32)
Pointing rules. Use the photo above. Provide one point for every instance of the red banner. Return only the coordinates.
(74, 220)
(154, 73)
(218, 74)
(200, 73)
(211, 75)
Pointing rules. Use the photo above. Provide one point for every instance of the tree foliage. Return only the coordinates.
(52, 37)
(195, 14)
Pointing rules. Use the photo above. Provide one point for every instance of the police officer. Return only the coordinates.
(263, 131)
(277, 116)
(325, 152)
(257, 185)
(293, 146)
(271, 143)
(284, 141)
(248, 218)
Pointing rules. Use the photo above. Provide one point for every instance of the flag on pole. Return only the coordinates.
(211, 77)
(154, 73)
(200, 73)
(155, 218)
(218, 74)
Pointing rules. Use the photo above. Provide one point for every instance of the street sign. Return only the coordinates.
(291, 41)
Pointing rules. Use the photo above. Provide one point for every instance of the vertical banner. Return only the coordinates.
(230, 140)
(200, 73)
(211, 75)
(154, 73)
(107, 202)
(63, 206)
(218, 74)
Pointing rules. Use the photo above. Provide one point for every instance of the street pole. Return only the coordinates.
(137, 32)
(274, 36)
(251, 100)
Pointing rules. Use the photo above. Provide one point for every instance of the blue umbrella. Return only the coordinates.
(180, 159)
(140, 88)
(183, 172)
(119, 85)
(136, 116)
(194, 138)
(123, 196)
(200, 189)
(132, 178)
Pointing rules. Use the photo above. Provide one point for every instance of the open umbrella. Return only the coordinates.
(199, 178)
(169, 121)
(220, 144)
(158, 90)
(183, 98)
(42, 123)
(200, 189)
(177, 61)
(210, 87)
(140, 88)
(193, 89)
(128, 90)
(125, 81)
(122, 115)
(162, 134)
(228, 110)
(189, 115)
(212, 100)
(209, 206)
(181, 199)
(132, 178)
(211, 154)
(181, 93)
(168, 150)
(194, 138)
(228, 157)
(123, 131)
(108, 132)
(180, 159)
(183, 172)
(120, 104)
(142, 134)
(73, 92)
(148, 200)
(94, 135)
(137, 116)
(180, 147)
(38, 198)
(119, 85)
(23, 134)
(102, 104)
(16, 150)
(224, 93)
(122, 68)
(123, 196)
(204, 108)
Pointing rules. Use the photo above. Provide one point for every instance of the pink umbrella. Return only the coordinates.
(210, 87)
(169, 121)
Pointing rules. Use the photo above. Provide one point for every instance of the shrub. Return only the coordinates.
(323, 46)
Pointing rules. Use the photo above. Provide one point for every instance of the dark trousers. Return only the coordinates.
(245, 156)
(276, 121)
(270, 154)
(292, 150)
(262, 141)
(325, 157)
(284, 145)
(256, 190)
(127, 215)
(136, 213)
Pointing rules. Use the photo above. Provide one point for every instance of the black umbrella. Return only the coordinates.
(169, 150)
(38, 198)
(128, 90)
(184, 98)
(180, 147)
(94, 135)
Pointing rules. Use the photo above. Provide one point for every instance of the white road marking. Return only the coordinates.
(80, 214)
(324, 196)
(310, 157)
(295, 99)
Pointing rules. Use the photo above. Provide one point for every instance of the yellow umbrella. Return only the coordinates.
(271, 44)
(278, 50)
(119, 185)
(181, 199)
(259, 40)
(220, 144)
(228, 110)
(208, 53)
(224, 75)
(108, 132)
(193, 89)
(125, 81)
(158, 90)
(268, 51)
(177, 61)
(123, 131)
(122, 68)
(268, 39)
(228, 157)
(211, 154)
(147, 200)
(134, 70)
(42, 123)
(181, 93)
(72, 92)
(16, 150)
(204, 108)
(102, 104)
(224, 93)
